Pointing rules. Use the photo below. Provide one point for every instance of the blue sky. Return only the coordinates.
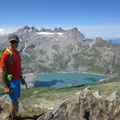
(92, 17)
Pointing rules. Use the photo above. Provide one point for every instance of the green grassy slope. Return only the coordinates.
(51, 94)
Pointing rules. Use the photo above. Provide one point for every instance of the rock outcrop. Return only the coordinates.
(87, 105)
(4, 104)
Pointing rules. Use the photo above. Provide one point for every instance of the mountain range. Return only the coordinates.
(60, 50)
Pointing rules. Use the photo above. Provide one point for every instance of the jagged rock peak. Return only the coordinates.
(58, 30)
(74, 29)
(26, 27)
(74, 32)
(33, 29)
(45, 30)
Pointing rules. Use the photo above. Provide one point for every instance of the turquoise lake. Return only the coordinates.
(61, 80)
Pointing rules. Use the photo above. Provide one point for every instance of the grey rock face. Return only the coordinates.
(86, 106)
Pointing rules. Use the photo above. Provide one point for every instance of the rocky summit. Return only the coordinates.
(83, 105)
(87, 105)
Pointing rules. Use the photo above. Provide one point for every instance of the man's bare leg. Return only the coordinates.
(13, 108)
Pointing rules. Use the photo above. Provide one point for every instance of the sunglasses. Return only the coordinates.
(14, 41)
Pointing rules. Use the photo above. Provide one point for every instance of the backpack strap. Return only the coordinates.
(1, 52)
(10, 59)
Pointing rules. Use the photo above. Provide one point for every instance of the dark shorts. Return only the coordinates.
(15, 91)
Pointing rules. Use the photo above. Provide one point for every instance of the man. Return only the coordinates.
(15, 69)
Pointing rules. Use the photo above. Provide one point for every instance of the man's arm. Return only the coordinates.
(2, 75)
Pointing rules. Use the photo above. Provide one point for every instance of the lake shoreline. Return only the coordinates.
(77, 72)
(30, 77)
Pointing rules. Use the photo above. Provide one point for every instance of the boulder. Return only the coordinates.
(5, 102)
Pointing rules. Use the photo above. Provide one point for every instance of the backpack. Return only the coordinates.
(8, 76)
(10, 59)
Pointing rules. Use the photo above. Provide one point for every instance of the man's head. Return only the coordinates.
(13, 41)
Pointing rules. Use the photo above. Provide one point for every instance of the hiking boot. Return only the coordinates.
(18, 118)
(17, 108)
(9, 116)
(12, 119)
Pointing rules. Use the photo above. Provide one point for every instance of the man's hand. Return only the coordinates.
(7, 90)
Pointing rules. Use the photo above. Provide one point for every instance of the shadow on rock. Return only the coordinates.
(31, 118)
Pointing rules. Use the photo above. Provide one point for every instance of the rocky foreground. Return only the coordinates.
(85, 105)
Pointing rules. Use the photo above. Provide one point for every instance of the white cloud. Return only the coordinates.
(2, 31)
(6, 30)
(107, 32)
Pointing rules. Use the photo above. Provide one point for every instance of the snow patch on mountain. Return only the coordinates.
(49, 33)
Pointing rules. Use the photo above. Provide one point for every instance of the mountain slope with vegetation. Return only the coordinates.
(57, 50)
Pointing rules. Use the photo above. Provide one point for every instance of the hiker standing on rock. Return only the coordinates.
(10, 64)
